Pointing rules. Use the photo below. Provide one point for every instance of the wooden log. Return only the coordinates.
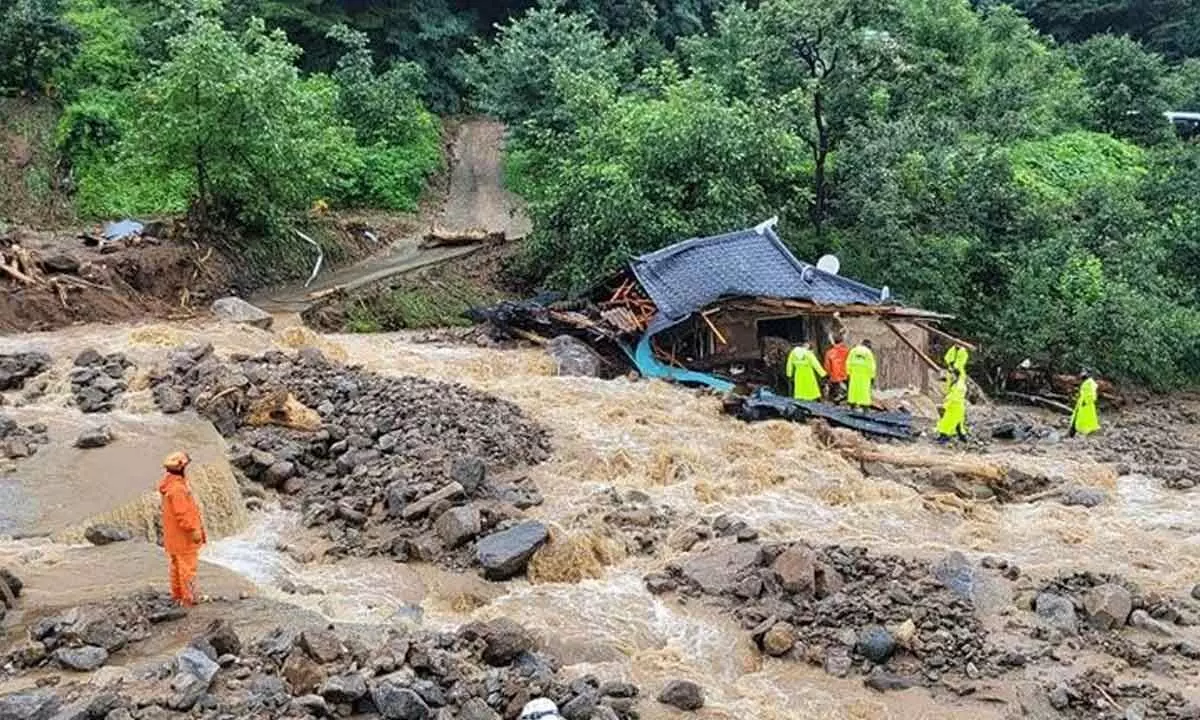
(420, 507)
(945, 335)
(457, 238)
(920, 353)
(1039, 401)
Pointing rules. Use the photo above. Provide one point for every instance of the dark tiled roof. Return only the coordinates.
(690, 275)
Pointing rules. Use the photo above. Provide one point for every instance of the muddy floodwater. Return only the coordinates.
(669, 443)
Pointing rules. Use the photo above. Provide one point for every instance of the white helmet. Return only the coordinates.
(540, 709)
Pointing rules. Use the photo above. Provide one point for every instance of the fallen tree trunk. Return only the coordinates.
(458, 238)
(1039, 401)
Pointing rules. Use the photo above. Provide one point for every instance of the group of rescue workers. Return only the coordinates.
(849, 375)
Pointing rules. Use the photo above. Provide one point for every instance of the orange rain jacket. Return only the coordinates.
(180, 516)
(835, 362)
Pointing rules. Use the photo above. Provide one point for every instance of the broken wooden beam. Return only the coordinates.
(422, 506)
(945, 335)
(1038, 401)
(913, 346)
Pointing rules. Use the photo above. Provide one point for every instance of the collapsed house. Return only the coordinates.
(724, 311)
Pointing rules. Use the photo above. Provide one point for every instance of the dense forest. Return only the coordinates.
(1010, 164)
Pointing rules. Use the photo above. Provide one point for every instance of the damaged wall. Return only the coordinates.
(897, 365)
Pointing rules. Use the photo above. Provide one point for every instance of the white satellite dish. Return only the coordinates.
(885, 294)
(829, 264)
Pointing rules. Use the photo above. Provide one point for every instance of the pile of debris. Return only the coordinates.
(386, 465)
(765, 405)
(21, 442)
(1096, 608)
(485, 671)
(1096, 695)
(900, 622)
(83, 639)
(97, 381)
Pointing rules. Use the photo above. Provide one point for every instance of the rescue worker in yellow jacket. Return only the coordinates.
(1086, 420)
(804, 370)
(860, 366)
(956, 363)
(953, 422)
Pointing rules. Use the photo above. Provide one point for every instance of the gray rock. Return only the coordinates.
(394, 701)
(64, 264)
(619, 689)
(1107, 606)
(312, 704)
(344, 689)
(837, 661)
(876, 644)
(103, 632)
(503, 640)
(89, 357)
(420, 507)
(1057, 611)
(572, 357)
(1060, 697)
(29, 705)
(884, 681)
(168, 399)
(1083, 496)
(236, 310)
(278, 473)
(470, 472)
(956, 573)
(580, 707)
(1141, 620)
(477, 709)
(193, 661)
(505, 554)
(81, 659)
(717, 571)
(682, 694)
(105, 534)
(458, 525)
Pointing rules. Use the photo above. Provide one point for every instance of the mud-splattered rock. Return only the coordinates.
(572, 357)
(344, 689)
(876, 644)
(237, 310)
(795, 569)
(717, 571)
(322, 645)
(303, 675)
(1083, 497)
(884, 681)
(503, 640)
(1057, 611)
(779, 640)
(458, 525)
(469, 471)
(92, 438)
(1107, 606)
(682, 694)
(106, 534)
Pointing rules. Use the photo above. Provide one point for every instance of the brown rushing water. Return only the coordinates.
(670, 443)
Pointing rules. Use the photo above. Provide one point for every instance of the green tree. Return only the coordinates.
(234, 114)
(1170, 27)
(681, 161)
(34, 42)
(1128, 87)
(522, 77)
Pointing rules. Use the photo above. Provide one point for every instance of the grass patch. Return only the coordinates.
(435, 303)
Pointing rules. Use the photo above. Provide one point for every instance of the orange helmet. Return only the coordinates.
(176, 461)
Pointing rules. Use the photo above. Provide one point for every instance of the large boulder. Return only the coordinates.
(573, 357)
(236, 310)
(1057, 611)
(195, 662)
(1108, 606)
(503, 640)
(104, 534)
(96, 437)
(505, 554)
(716, 571)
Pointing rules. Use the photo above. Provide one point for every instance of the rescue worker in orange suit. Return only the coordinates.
(835, 368)
(183, 529)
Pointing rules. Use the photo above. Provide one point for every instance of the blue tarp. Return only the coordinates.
(122, 229)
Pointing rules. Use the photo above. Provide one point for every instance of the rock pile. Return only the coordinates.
(83, 638)
(1096, 695)
(485, 671)
(1097, 607)
(21, 442)
(397, 466)
(97, 381)
(899, 621)
(16, 368)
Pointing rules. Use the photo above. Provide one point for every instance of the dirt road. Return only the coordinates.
(475, 200)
